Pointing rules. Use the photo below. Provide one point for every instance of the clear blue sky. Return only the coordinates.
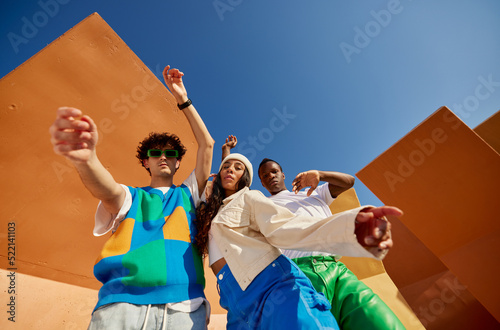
(313, 84)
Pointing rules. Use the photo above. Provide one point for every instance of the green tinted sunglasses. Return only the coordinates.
(158, 152)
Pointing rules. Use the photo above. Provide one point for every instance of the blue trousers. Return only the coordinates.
(280, 297)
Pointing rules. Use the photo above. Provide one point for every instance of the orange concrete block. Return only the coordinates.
(436, 295)
(91, 68)
(44, 304)
(489, 131)
(446, 179)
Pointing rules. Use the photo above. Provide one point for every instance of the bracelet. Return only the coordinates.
(185, 104)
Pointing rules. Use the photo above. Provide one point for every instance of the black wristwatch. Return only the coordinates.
(185, 104)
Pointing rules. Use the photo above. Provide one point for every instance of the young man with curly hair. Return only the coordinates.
(152, 273)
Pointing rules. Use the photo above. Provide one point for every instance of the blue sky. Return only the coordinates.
(321, 84)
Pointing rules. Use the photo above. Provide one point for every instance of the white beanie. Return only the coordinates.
(242, 159)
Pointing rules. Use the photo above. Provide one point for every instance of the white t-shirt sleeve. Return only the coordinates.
(324, 193)
(192, 184)
(106, 221)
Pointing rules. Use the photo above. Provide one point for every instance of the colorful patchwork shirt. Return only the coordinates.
(150, 258)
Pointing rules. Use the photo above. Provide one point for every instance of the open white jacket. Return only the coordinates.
(249, 230)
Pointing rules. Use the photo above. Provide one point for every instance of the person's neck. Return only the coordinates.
(229, 192)
(277, 192)
(161, 182)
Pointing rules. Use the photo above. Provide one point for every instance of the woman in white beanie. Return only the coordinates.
(260, 288)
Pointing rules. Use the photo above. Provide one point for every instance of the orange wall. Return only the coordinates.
(91, 68)
(446, 179)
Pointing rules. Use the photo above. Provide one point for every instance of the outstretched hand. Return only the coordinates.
(173, 80)
(306, 179)
(231, 142)
(373, 230)
(73, 135)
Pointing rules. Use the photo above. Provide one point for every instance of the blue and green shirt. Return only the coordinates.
(151, 258)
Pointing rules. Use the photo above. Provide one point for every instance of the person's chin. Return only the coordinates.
(276, 186)
(274, 190)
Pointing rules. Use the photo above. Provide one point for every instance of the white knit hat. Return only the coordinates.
(242, 159)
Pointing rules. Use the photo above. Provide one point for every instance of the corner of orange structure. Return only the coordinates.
(445, 178)
(489, 131)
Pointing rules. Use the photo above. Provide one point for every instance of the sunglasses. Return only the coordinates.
(158, 152)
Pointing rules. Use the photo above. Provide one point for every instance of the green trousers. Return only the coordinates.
(354, 305)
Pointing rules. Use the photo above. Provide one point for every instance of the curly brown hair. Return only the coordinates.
(159, 141)
(206, 211)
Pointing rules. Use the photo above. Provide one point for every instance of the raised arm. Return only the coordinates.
(337, 182)
(231, 142)
(173, 80)
(75, 137)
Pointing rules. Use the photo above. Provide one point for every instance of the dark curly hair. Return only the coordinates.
(159, 141)
(206, 211)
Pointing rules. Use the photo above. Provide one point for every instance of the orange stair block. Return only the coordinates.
(445, 178)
